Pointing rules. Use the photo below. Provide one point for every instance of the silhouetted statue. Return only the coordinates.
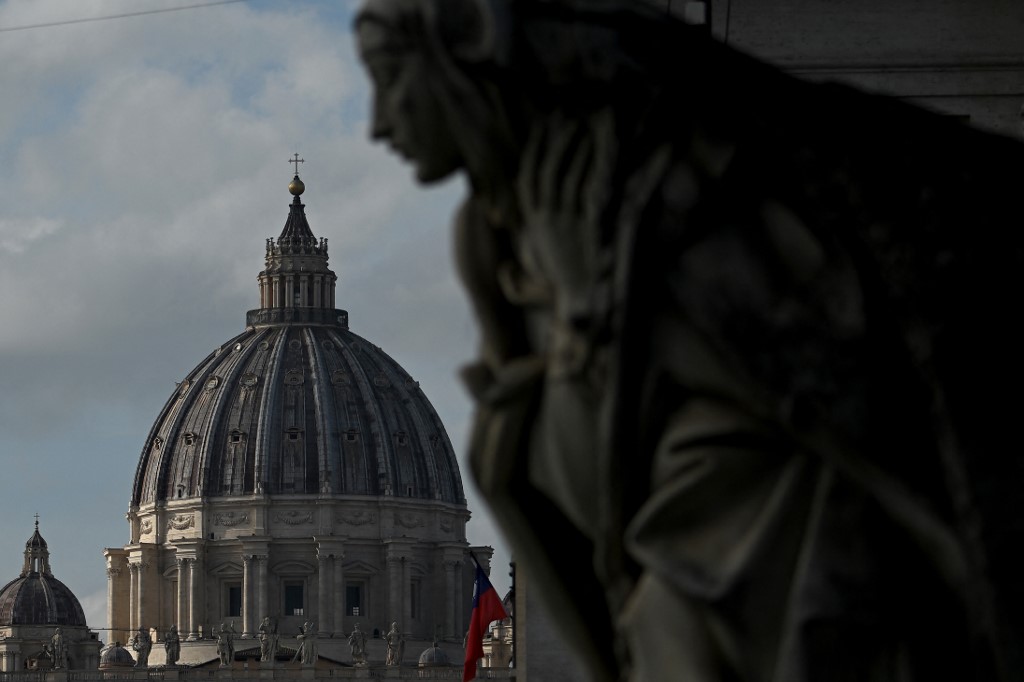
(142, 644)
(172, 645)
(58, 650)
(738, 408)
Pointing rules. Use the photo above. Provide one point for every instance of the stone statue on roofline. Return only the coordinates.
(172, 645)
(357, 645)
(142, 644)
(269, 639)
(226, 644)
(396, 646)
(740, 338)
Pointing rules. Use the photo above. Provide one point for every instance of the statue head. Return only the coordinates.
(432, 100)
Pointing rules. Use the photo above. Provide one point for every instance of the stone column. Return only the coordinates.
(449, 601)
(181, 612)
(339, 596)
(406, 595)
(195, 599)
(247, 592)
(261, 587)
(133, 598)
(458, 598)
(323, 589)
(395, 588)
(114, 620)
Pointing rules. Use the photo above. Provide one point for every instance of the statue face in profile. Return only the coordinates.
(406, 110)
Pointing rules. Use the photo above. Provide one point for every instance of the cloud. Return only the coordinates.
(142, 163)
(16, 235)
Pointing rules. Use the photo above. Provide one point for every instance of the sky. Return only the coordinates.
(143, 163)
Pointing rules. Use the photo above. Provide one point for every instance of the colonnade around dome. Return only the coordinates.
(337, 563)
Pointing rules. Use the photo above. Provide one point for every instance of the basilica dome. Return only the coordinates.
(297, 474)
(297, 403)
(36, 597)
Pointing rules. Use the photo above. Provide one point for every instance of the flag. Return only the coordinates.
(486, 608)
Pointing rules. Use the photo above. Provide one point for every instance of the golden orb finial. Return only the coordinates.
(296, 186)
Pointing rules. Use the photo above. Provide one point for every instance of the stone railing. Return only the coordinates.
(254, 674)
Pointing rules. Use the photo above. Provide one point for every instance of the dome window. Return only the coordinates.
(402, 438)
(191, 439)
(294, 434)
(351, 435)
(236, 436)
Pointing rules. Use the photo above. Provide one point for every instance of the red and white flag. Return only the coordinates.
(487, 608)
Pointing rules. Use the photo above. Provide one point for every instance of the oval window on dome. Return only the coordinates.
(264, 345)
(293, 377)
(212, 383)
(238, 347)
(339, 377)
(295, 344)
(249, 380)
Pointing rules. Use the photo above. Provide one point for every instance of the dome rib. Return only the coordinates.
(214, 438)
(267, 415)
(321, 397)
(385, 474)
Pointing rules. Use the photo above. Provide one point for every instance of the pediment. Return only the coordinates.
(357, 567)
(227, 568)
(293, 567)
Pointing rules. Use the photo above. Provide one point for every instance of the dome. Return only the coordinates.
(36, 597)
(434, 656)
(39, 599)
(298, 473)
(115, 656)
(297, 403)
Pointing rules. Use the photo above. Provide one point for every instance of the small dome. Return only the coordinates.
(39, 599)
(115, 656)
(433, 657)
(36, 597)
